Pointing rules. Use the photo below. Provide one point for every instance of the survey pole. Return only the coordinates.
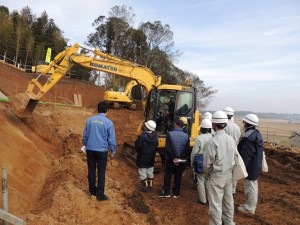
(4, 192)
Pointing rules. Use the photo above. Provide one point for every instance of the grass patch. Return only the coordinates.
(4, 100)
(52, 103)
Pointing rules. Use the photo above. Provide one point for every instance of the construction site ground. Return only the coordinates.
(47, 173)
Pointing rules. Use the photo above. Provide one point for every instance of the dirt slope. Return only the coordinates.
(27, 164)
(14, 81)
(48, 174)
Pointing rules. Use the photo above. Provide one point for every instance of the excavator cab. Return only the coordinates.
(163, 105)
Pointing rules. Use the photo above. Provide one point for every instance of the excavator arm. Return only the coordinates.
(63, 62)
(129, 87)
(141, 74)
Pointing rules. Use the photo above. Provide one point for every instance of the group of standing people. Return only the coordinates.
(219, 150)
(213, 153)
(99, 138)
(174, 157)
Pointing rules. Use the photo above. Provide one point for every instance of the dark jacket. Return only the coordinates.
(250, 148)
(146, 147)
(177, 144)
(186, 129)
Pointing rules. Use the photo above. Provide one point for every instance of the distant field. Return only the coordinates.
(275, 130)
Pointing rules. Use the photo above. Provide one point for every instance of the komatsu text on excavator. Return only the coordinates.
(163, 103)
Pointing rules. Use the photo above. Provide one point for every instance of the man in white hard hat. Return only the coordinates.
(232, 128)
(146, 147)
(218, 164)
(207, 115)
(234, 131)
(201, 140)
(250, 148)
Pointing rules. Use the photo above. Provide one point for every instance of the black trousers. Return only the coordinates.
(96, 160)
(170, 169)
(162, 153)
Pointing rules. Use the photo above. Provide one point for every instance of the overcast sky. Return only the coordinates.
(248, 50)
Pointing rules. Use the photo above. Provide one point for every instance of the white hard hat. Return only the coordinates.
(251, 119)
(206, 123)
(229, 111)
(151, 125)
(219, 117)
(207, 115)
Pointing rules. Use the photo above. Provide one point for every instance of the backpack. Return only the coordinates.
(198, 163)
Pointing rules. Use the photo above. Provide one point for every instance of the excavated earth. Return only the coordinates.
(47, 174)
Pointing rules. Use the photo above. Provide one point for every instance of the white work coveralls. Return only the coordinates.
(235, 132)
(251, 192)
(219, 160)
(200, 141)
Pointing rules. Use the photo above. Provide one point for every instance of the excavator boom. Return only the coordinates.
(64, 61)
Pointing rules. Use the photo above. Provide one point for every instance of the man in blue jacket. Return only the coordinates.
(177, 148)
(250, 148)
(98, 137)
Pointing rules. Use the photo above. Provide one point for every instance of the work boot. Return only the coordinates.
(164, 194)
(244, 210)
(150, 183)
(144, 187)
(102, 197)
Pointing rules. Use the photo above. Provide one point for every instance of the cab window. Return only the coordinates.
(184, 103)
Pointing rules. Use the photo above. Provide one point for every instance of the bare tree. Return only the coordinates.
(205, 94)
(159, 39)
(124, 13)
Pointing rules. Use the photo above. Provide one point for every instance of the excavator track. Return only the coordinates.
(128, 150)
(130, 154)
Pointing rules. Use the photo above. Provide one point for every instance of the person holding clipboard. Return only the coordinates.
(176, 153)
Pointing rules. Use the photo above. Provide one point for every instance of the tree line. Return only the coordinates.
(26, 37)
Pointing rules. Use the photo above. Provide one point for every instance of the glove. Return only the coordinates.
(83, 149)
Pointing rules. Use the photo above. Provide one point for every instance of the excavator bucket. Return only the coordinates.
(31, 106)
(24, 104)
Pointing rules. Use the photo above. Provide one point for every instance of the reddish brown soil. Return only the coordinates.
(47, 174)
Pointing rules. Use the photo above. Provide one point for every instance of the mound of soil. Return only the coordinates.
(47, 173)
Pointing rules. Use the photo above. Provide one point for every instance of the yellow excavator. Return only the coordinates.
(63, 62)
(163, 103)
(121, 98)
